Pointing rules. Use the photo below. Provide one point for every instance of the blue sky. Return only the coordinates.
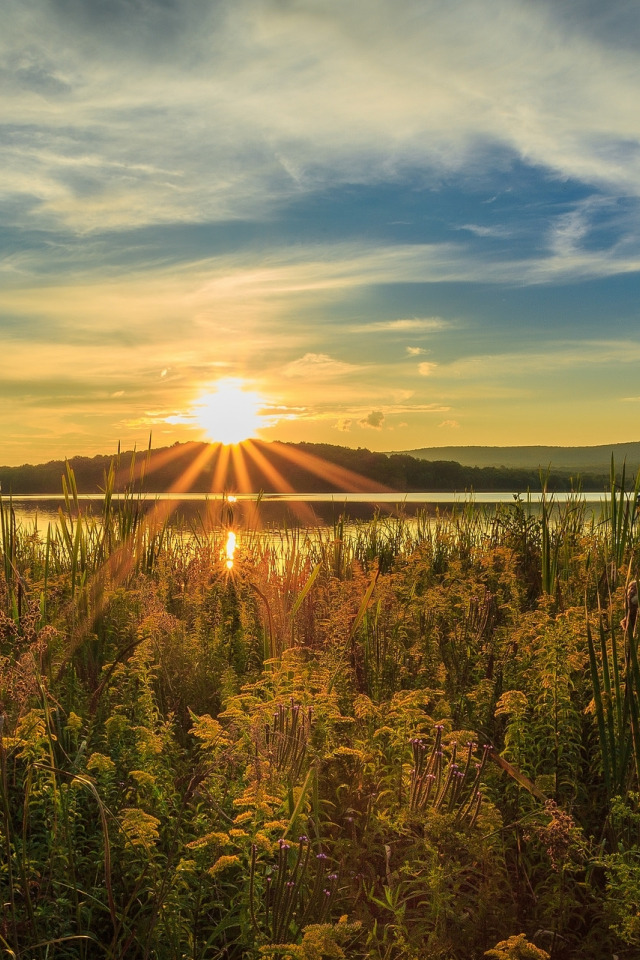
(396, 224)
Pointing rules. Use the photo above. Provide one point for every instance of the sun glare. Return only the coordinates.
(229, 414)
(230, 549)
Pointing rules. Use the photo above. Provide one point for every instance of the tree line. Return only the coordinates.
(160, 470)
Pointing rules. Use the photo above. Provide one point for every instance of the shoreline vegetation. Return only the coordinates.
(405, 741)
(159, 470)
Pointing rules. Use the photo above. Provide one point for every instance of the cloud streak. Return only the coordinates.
(103, 133)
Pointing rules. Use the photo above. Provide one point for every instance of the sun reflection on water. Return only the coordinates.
(230, 548)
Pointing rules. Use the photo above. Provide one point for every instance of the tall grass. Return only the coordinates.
(419, 724)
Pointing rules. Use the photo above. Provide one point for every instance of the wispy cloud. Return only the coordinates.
(226, 143)
(318, 366)
(555, 357)
(483, 231)
(404, 325)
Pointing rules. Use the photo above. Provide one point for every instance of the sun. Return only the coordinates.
(228, 413)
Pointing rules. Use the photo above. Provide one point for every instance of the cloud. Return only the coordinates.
(407, 325)
(426, 368)
(356, 93)
(318, 366)
(449, 424)
(345, 416)
(374, 420)
(548, 359)
(483, 231)
(415, 351)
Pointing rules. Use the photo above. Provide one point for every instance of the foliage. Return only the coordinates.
(400, 740)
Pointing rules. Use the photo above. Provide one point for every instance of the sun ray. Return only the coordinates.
(151, 462)
(303, 511)
(243, 482)
(162, 509)
(219, 481)
(121, 562)
(269, 471)
(346, 480)
(184, 482)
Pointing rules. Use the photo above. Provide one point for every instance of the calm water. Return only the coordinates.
(280, 509)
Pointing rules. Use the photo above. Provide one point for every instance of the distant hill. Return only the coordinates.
(297, 467)
(565, 459)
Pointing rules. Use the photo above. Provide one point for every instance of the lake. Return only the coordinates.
(284, 509)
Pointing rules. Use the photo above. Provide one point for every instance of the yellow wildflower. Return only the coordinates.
(141, 828)
(100, 764)
(222, 863)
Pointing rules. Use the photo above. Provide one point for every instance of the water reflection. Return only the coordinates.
(197, 514)
(230, 549)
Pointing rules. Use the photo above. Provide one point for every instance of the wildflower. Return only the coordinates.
(142, 778)
(243, 817)
(74, 723)
(100, 764)
(207, 840)
(222, 863)
(140, 828)
(263, 843)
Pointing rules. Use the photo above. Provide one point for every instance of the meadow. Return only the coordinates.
(409, 740)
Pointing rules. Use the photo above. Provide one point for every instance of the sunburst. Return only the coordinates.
(228, 413)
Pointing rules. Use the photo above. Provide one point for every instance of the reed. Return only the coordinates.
(170, 726)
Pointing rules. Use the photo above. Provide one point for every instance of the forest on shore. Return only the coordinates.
(163, 468)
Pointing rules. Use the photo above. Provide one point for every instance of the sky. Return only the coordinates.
(384, 223)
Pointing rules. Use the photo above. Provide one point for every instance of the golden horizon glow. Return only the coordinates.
(229, 414)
